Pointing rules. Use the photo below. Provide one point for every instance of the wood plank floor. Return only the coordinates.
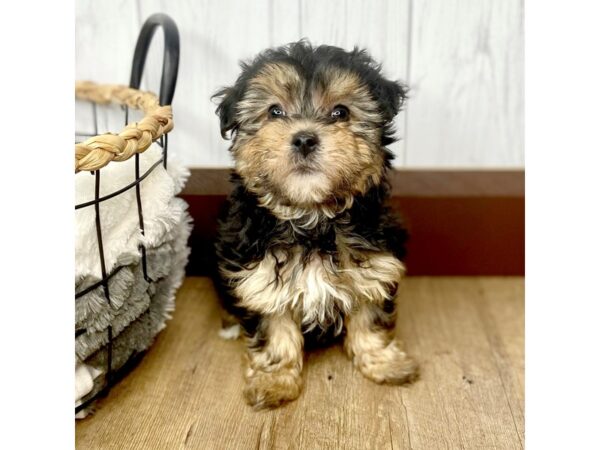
(467, 334)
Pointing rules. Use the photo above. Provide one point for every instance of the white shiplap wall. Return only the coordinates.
(463, 60)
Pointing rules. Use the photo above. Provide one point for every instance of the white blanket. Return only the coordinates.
(139, 309)
(121, 235)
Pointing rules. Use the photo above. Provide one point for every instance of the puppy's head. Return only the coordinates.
(310, 125)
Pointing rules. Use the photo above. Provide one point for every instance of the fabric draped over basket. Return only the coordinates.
(139, 307)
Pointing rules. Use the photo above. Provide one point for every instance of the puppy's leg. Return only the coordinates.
(274, 362)
(371, 344)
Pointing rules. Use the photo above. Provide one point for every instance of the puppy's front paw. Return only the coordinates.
(388, 365)
(272, 389)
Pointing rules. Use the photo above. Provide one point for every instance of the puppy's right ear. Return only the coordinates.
(228, 98)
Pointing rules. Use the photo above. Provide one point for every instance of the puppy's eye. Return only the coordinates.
(340, 112)
(276, 111)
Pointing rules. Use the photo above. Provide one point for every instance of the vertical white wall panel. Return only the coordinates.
(463, 60)
(284, 21)
(105, 35)
(214, 35)
(466, 75)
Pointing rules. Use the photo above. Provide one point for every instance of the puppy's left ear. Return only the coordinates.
(226, 110)
(391, 96)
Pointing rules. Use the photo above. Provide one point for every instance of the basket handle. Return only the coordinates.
(170, 60)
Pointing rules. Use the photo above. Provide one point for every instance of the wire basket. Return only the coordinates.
(92, 155)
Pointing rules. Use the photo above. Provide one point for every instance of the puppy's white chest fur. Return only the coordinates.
(315, 289)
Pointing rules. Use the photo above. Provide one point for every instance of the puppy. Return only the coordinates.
(306, 245)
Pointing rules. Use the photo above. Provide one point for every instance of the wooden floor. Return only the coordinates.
(467, 334)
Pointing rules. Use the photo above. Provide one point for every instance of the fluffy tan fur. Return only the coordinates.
(349, 163)
(273, 371)
(375, 351)
(318, 290)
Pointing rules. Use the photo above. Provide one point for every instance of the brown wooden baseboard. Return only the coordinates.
(461, 222)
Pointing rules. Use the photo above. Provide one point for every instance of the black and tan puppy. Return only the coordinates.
(307, 246)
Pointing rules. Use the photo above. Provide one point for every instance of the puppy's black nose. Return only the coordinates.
(305, 143)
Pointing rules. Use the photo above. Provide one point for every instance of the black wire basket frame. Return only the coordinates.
(167, 91)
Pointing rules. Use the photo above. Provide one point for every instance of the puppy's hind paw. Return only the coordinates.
(231, 332)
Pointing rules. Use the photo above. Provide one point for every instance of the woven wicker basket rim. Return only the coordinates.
(97, 151)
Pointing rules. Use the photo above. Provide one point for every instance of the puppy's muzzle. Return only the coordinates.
(304, 143)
